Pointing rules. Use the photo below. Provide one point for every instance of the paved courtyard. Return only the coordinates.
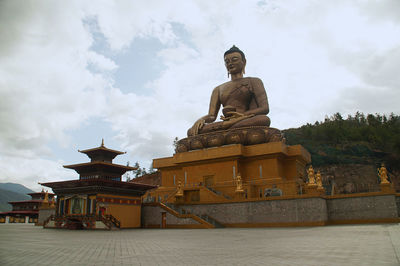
(331, 245)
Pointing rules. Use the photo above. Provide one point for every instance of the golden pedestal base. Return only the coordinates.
(314, 190)
(387, 188)
(209, 175)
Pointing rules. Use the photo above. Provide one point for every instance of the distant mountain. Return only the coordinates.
(18, 188)
(7, 195)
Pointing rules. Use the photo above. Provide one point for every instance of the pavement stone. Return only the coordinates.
(25, 244)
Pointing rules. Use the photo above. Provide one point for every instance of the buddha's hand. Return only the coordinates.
(235, 116)
(197, 126)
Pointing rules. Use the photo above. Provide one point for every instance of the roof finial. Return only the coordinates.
(102, 142)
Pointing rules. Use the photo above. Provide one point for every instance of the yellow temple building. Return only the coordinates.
(99, 199)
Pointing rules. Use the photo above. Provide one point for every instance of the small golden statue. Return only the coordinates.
(179, 192)
(382, 173)
(46, 197)
(311, 178)
(53, 202)
(319, 180)
(239, 187)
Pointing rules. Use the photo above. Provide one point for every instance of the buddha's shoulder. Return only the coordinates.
(254, 79)
(242, 80)
(223, 86)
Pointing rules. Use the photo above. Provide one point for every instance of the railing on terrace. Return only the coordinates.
(351, 188)
(218, 193)
(271, 185)
(211, 220)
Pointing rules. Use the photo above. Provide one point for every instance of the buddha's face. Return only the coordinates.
(234, 63)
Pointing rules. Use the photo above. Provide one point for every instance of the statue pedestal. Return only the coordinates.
(245, 135)
(314, 190)
(209, 175)
(387, 188)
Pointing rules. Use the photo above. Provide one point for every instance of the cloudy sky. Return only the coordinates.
(139, 73)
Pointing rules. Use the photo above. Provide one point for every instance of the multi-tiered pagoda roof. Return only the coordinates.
(99, 175)
(100, 165)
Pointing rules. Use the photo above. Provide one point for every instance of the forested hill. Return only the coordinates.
(358, 139)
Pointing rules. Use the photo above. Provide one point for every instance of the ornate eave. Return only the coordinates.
(97, 186)
(93, 166)
(25, 202)
(101, 151)
(40, 193)
(109, 153)
(27, 212)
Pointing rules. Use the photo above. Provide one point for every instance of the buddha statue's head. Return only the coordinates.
(235, 60)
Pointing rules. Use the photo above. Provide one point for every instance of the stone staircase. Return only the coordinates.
(218, 193)
(212, 221)
(180, 213)
(110, 221)
(204, 217)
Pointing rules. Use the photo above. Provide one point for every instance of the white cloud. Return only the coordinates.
(122, 21)
(101, 62)
(30, 171)
(45, 86)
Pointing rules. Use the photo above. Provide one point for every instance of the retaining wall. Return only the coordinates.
(306, 211)
(302, 211)
(362, 208)
(398, 203)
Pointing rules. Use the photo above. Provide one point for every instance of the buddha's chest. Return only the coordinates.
(240, 92)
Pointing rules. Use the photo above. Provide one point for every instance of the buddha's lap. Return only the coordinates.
(258, 120)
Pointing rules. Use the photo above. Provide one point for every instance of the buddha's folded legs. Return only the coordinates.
(213, 127)
(258, 120)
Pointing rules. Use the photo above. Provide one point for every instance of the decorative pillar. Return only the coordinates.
(57, 206)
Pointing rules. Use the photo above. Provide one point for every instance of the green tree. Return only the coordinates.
(175, 143)
(138, 171)
(358, 139)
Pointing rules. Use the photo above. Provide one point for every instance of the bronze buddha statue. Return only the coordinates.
(245, 108)
(244, 100)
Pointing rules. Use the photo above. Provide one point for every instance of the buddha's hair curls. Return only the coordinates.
(235, 49)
